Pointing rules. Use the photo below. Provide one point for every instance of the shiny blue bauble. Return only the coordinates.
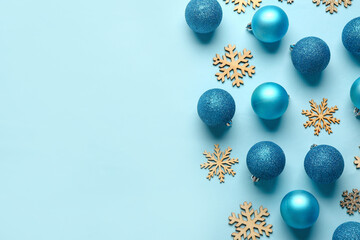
(269, 101)
(299, 209)
(265, 160)
(351, 36)
(324, 164)
(216, 107)
(347, 231)
(269, 24)
(310, 55)
(355, 93)
(203, 16)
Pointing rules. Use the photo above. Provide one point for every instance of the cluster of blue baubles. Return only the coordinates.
(266, 160)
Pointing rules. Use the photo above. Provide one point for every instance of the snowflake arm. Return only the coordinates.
(332, 5)
(255, 3)
(357, 162)
(346, 2)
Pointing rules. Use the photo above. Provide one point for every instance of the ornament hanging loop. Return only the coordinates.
(312, 146)
(255, 179)
(292, 47)
(248, 27)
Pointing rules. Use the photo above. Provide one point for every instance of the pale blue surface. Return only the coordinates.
(100, 138)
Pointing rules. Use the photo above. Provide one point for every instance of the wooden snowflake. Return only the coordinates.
(320, 116)
(241, 4)
(332, 5)
(219, 163)
(357, 162)
(288, 1)
(250, 224)
(234, 65)
(351, 201)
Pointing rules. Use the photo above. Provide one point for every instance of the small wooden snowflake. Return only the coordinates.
(357, 161)
(234, 65)
(332, 5)
(241, 4)
(351, 201)
(219, 163)
(320, 116)
(250, 224)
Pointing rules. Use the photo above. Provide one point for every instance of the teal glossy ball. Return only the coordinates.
(299, 209)
(355, 93)
(216, 107)
(347, 231)
(269, 24)
(265, 160)
(310, 55)
(203, 16)
(324, 164)
(269, 101)
(351, 36)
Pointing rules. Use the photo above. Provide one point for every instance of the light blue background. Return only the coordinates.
(100, 137)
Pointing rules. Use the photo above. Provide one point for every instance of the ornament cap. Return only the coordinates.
(229, 124)
(255, 179)
(356, 112)
(248, 27)
(292, 47)
(312, 146)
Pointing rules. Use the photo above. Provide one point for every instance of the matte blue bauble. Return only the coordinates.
(265, 160)
(351, 36)
(203, 16)
(310, 55)
(324, 164)
(269, 100)
(355, 93)
(269, 24)
(216, 107)
(347, 231)
(299, 209)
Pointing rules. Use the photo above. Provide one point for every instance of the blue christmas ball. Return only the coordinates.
(324, 164)
(203, 16)
(355, 93)
(269, 24)
(310, 55)
(351, 36)
(265, 160)
(347, 231)
(299, 209)
(269, 100)
(216, 107)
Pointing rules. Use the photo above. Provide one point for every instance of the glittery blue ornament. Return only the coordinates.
(203, 16)
(310, 55)
(269, 24)
(269, 101)
(351, 36)
(216, 107)
(347, 231)
(324, 164)
(355, 93)
(265, 160)
(299, 209)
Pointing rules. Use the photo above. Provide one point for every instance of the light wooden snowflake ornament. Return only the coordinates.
(219, 163)
(357, 161)
(250, 224)
(320, 116)
(351, 201)
(241, 4)
(234, 65)
(332, 5)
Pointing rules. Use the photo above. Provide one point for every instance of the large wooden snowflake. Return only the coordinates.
(219, 163)
(332, 5)
(320, 116)
(234, 65)
(351, 201)
(250, 224)
(241, 4)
